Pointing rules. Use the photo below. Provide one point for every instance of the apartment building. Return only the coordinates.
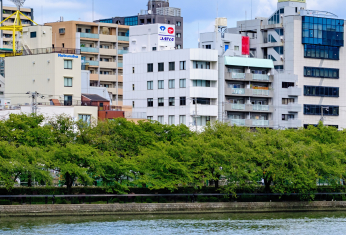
(102, 47)
(6, 36)
(157, 12)
(170, 86)
(306, 47)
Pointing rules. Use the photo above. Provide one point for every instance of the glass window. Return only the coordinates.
(321, 91)
(150, 102)
(321, 72)
(182, 83)
(171, 101)
(161, 102)
(150, 85)
(150, 118)
(161, 119)
(171, 66)
(67, 82)
(201, 83)
(287, 84)
(171, 84)
(67, 64)
(161, 84)
(150, 68)
(171, 120)
(161, 67)
(32, 34)
(182, 65)
(62, 30)
(67, 100)
(317, 110)
(182, 119)
(178, 23)
(85, 118)
(182, 101)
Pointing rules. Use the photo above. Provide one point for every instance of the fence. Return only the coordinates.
(168, 198)
(50, 50)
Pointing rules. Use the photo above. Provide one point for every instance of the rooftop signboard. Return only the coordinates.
(166, 35)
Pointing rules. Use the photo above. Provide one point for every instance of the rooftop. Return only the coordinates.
(93, 97)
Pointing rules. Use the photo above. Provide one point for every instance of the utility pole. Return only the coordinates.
(322, 114)
(34, 103)
(196, 113)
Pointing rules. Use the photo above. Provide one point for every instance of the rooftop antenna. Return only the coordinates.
(18, 3)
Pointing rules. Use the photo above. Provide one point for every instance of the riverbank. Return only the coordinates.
(168, 208)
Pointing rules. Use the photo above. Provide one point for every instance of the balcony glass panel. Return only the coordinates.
(260, 122)
(121, 52)
(238, 106)
(258, 107)
(123, 38)
(89, 35)
(120, 64)
(261, 77)
(260, 92)
(238, 75)
(238, 122)
(89, 49)
(91, 63)
(239, 91)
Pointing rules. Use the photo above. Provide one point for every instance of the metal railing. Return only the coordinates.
(163, 198)
(50, 50)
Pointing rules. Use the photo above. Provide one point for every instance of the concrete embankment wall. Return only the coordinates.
(168, 208)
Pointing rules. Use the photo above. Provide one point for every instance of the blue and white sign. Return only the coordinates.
(68, 56)
(166, 35)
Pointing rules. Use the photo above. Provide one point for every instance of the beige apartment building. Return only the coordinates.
(6, 12)
(102, 46)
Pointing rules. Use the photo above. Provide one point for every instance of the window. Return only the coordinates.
(171, 101)
(182, 65)
(310, 109)
(150, 102)
(32, 34)
(178, 23)
(203, 101)
(321, 91)
(182, 119)
(154, 48)
(201, 83)
(63, 45)
(321, 72)
(322, 31)
(321, 52)
(178, 35)
(67, 64)
(133, 104)
(171, 66)
(133, 87)
(287, 117)
(161, 84)
(131, 21)
(150, 118)
(62, 30)
(161, 102)
(150, 68)
(182, 101)
(236, 48)
(182, 83)
(161, 67)
(85, 118)
(150, 85)
(207, 46)
(168, 22)
(287, 84)
(279, 50)
(133, 69)
(171, 84)
(67, 82)
(171, 120)
(88, 30)
(79, 30)
(178, 46)
(67, 100)
(287, 101)
(161, 119)
(201, 65)
(280, 32)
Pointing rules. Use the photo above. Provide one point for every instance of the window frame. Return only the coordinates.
(68, 64)
(182, 101)
(150, 68)
(150, 102)
(171, 84)
(182, 82)
(171, 101)
(159, 83)
(182, 65)
(67, 84)
(150, 85)
(161, 102)
(171, 66)
(161, 67)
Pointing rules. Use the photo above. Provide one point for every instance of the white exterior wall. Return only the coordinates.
(218, 43)
(43, 36)
(139, 79)
(87, 89)
(43, 73)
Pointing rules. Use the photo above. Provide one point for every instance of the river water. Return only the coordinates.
(271, 223)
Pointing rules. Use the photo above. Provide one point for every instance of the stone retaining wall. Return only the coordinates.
(168, 208)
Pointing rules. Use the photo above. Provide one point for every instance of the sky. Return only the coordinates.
(199, 15)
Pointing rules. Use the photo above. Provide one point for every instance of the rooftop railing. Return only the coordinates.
(49, 50)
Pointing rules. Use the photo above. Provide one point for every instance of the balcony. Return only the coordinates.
(207, 92)
(249, 77)
(89, 49)
(89, 35)
(120, 64)
(108, 38)
(248, 92)
(252, 123)
(260, 122)
(205, 110)
(114, 90)
(203, 74)
(249, 108)
(108, 78)
(120, 78)
(292, 123)
(123, 38)
(294, 107)
(109, 65)
(122, 52)
(110, 52)
(91, 63)
(94, 77)
(294, 91)
(237, 122)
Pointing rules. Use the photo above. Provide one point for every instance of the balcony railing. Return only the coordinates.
(238, 91)
(89, 49)
(89, 35)
(260, 122)
(260, 92)
(49, 50)
(123, 38)
(261, 77)
(120, 64)
(238, 106)
(238, 75)
(91, 62)
(238, 122)
(258, 107)
(121, 52)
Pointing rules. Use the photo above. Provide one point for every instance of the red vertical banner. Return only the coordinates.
(245, 50)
